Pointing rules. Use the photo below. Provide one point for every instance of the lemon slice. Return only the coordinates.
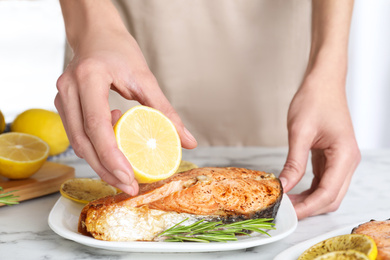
(21, 155)
(84, 190)
(150, 142)
(186, 166)
(343, 255)
(357, 242)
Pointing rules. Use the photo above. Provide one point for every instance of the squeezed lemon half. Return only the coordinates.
(84, 190)
(186, 166)
(355, 242)
(150, 142)
(343, 255)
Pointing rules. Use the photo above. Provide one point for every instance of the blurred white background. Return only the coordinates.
(32, 41)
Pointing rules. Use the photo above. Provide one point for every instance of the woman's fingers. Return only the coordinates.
(98, 124)
(333, 169)
(295, 165)
(87, 120)
(153, 96)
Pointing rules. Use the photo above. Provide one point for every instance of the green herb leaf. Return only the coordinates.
(203, 231)
(8, 198)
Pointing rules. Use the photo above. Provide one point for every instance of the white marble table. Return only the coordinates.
(25, 234)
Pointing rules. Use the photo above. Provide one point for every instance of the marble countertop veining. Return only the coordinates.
(25, 234)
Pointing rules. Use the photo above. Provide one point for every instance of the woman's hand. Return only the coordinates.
(319, 121)
(105, 57)
(318, 117)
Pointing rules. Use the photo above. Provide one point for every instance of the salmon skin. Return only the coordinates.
(226, 194)
(380, 232)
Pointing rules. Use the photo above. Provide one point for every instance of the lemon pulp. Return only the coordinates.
(21, 155)
(84, 190)
(357, 242)
(150, 142)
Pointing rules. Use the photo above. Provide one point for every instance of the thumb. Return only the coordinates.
(295, 165)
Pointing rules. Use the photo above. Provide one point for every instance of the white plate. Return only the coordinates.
(64, 217)
(294, 252)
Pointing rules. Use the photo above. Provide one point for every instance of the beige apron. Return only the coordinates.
(229, 67)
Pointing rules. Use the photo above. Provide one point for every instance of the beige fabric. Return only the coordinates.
(229, 67)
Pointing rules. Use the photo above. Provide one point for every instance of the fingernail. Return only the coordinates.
(283, 181)
(126, 188)
(189, 135)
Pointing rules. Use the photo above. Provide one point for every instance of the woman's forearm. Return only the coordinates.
(85, 18)
(331, 21)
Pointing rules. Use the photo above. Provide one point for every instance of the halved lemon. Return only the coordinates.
(343, 255)
(186, 166)
(357, 242)
(150, 142)
(84, 190)
(21, 155)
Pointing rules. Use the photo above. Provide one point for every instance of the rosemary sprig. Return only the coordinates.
(8, 198)
(203, 231)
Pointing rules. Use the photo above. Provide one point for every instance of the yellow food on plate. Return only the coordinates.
(45, 124)
(21, 155)
(150, 142)
(357, 242)
(183, 167)
(84, 190)
(343, 255)
(2, 123)
(186, 166)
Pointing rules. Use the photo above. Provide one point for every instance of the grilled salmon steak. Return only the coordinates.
(227, 194)
(380, 232)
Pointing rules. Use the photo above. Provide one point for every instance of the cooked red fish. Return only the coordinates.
(227, 194)
(380, 232)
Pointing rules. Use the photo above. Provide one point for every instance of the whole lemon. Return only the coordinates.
(44, 124)
(2, 123)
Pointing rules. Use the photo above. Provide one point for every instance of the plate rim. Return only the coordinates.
(140, 246)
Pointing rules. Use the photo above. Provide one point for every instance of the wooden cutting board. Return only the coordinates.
(45, 181)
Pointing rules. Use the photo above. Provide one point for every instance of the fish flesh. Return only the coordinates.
(212, 193)
(380, 232)
(226, 194)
